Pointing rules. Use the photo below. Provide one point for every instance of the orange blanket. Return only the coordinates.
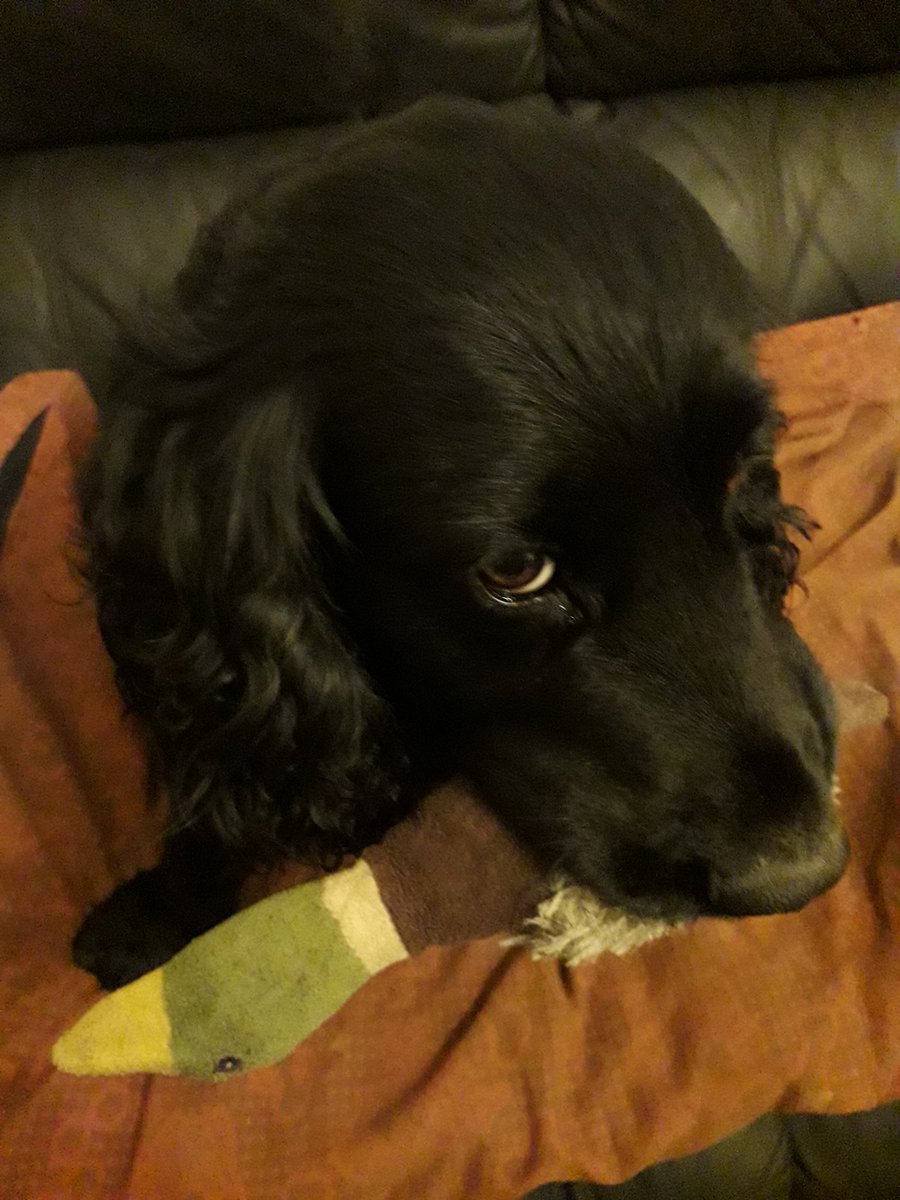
(469, 1071)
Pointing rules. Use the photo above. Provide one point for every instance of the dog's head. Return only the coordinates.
(452, 458)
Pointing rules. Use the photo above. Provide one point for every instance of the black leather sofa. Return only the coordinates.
(125, 124)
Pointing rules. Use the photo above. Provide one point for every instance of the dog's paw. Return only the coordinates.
(127, 935)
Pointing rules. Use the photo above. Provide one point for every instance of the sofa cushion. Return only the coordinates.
(801, 178)
(84, 232)
(607, 48)
(111, 70)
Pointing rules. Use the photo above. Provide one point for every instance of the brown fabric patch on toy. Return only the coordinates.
(452, 873)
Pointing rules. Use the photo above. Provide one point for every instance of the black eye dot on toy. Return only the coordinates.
(228, 1064)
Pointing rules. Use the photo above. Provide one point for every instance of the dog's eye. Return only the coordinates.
(515, 575)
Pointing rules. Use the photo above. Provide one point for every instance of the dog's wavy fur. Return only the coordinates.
(219, 506)
(204, 523)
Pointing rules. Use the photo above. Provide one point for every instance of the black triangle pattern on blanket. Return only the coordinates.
(14, 469)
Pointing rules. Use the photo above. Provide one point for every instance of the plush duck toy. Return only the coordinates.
(247, 992)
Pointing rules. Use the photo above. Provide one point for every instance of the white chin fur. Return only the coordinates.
(573, 926)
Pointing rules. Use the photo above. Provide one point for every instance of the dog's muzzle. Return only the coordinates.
(784, 880)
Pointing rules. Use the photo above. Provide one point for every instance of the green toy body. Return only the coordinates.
(245, 993)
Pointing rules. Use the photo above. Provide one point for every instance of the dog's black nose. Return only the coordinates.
(780, 882)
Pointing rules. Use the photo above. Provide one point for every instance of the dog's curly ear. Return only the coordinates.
(204, 527)
(766, 522)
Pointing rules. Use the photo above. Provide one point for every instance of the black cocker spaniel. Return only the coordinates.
(448, 457)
